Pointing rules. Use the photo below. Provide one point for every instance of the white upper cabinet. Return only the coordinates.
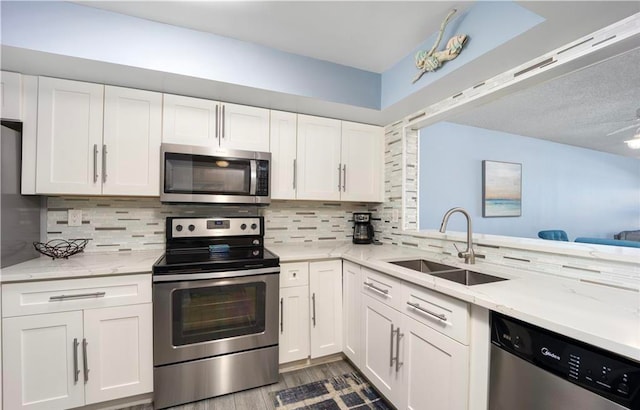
(362, 162)
(131, 144)
(69, 137)
(196, 121)
(245, 128)
(190, 121)
(81, 152)
(283, 154)
(318, 158)
(335, 160)
(10, 96)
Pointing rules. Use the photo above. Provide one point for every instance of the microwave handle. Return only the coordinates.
(254, 177)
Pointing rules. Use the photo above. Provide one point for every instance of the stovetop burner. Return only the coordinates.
(214, 244)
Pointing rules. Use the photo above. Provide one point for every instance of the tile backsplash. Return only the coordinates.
(123, 224)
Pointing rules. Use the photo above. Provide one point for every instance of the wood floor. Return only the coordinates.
(258, 399)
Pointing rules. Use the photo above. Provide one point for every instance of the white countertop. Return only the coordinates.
(85, 264)
(597, 314)
(600, 315)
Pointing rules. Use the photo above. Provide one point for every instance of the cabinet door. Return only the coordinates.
(283, 155)
(318, 159)
(294, 323)
(69, 159)
(436, 369)
(190, 121)
(245, 128)
(352, 299)
(362, 162)
(10, 96)
(325, 288)
(119, 352)
(380, 348)
(39, 367)
(131, 142)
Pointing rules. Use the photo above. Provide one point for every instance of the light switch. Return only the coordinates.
(75, 217)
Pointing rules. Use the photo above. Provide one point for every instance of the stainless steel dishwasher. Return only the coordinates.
(535, 369)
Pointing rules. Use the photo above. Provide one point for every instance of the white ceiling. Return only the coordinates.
(370, 35)
(580, 108)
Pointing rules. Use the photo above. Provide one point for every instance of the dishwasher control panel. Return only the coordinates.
(607, 374)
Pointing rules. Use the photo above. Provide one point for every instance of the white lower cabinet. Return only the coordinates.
(74, 356)
(294, 324)
(325, 288)
(435, 369)
(310, 310)
(414, 344)
(380, 348)
(352, 309)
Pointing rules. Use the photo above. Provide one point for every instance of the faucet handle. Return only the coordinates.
(460, 254)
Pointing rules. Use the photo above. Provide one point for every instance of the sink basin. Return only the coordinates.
(424, 266)
(467, 277)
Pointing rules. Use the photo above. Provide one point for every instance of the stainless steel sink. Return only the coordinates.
(467, 277)
(424, 266)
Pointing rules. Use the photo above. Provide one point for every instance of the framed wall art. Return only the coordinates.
(501, 189)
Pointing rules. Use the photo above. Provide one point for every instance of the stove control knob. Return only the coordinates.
(179, 228)
(192, 228)
(256, 242)
(254, 226)
(243, 226)
(256, 253)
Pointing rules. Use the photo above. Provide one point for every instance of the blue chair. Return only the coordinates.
(554, 235)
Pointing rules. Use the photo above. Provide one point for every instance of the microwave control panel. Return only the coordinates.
(262, 175)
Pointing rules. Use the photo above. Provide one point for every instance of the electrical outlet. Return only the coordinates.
(74, 217)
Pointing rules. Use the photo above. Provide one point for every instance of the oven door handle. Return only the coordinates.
(281, 315)
(214, 275)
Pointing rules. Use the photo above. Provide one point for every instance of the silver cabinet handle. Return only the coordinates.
(77, 296)
(339, 176)
(223, 122)
(384, 292)
(391, 359)
(281, 315)
(86, 362)
(398, 362)
(313, 298)
(76, 371)
(344, 178)
(428, 312)
(217, 136)
(294, 174)
(95, 163)
(104, 163)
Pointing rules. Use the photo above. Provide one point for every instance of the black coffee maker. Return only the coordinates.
(362, 228)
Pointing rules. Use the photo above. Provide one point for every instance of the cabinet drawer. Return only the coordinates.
(443, 313)
(294, 274)
(384, 288)
(19, 299)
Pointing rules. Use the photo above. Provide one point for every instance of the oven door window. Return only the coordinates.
(217, 312)
(198, 174)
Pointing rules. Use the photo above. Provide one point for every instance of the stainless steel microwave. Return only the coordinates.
(192, 174)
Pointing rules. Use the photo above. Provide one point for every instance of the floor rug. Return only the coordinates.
(348, 391)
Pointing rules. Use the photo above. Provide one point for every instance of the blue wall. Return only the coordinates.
(584, 192)
(85, 32)
(488, 25)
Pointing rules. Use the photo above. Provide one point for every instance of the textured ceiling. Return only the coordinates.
(580, 108)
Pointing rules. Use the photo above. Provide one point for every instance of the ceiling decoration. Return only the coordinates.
(432, 60)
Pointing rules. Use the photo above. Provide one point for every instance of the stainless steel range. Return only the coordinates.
(215, 310)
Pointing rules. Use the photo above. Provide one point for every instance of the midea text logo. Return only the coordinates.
(547, 352)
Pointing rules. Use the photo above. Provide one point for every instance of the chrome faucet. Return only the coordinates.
(468, 255)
